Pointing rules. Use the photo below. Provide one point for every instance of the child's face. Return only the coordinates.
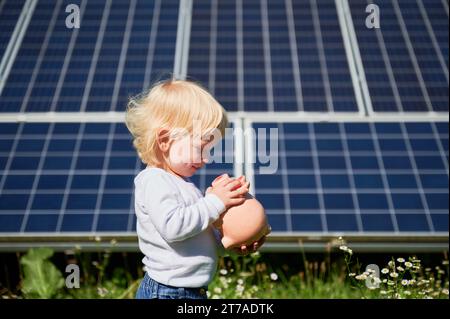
(188, 154)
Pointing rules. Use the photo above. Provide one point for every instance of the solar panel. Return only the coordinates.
(120, 47)
(356, 177)
(271, 55)
(73, 177)
(9, 14)
(406, 59)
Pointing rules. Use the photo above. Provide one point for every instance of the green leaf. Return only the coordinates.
(41, 278)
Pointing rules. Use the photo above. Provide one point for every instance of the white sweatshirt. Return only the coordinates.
(174, 219)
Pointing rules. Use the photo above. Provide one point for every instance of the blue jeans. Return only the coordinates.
(151, 289)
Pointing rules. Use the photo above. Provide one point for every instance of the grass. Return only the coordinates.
(245, 277)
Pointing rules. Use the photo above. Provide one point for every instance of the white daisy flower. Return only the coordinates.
(240, 288)
(240, 282)
(223, 272)
(384, 271)
(401, 260)
(405, 282)
(394, 274)
(218, 290)
(408, 264)
(273, 276)
(391, 264)
(361, 277)
(400, 268)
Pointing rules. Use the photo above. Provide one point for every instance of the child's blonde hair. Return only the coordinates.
(171, 104)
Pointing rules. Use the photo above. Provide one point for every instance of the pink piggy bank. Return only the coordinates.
(242, 224)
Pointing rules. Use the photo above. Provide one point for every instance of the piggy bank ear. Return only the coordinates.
(218, 178)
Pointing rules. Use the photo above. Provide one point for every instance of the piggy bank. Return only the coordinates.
(242, 224)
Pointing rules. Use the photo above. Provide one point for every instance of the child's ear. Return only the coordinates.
(163, 139)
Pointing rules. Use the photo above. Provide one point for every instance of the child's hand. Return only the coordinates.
(245, 250)
(230, 191)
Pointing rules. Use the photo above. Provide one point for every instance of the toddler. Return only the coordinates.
(173, 126)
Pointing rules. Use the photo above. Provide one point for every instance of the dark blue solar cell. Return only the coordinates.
(368, 181)
(116, 201)
(364, 162)
(338, 201)
(112, 222)
(28, 145)
(47, 201)
(342, 222)
(434, 180)
(123, 162)
(269, 181)
(25, 163)
(407, 201)
(295, 128)
(6, 145)
(372, 201)
(86, 181)
(19, 181)
(10, 223)
(357, 128)
(440, 222)
(388, 128)
(329, 145)
(77, 222)
(304, 201)
(429, 162)
(42, 223)
(301, 181)
(360, 144)
(332, 162)
(90, 162)
(299, 162)
(58, 162)
(442, 127)
(61, 145)
(419, 128)
(93, 145)
(81, 201)
(397, 162)
(35, 128)
(306, 222)
(119, 181)
(8, 128)
(66, 128)
(401, 181)
(271, 201)
(297, 145)
(52, 182)
(335, 181)
(326, 128)
(424, 145)
(277, 222)
(121, 145)
(437, 201)
(377, 222)
(13, 201)
(97, 128)
(412, 222)
(392, 144)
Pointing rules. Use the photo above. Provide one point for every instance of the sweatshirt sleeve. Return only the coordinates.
(173, 220)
